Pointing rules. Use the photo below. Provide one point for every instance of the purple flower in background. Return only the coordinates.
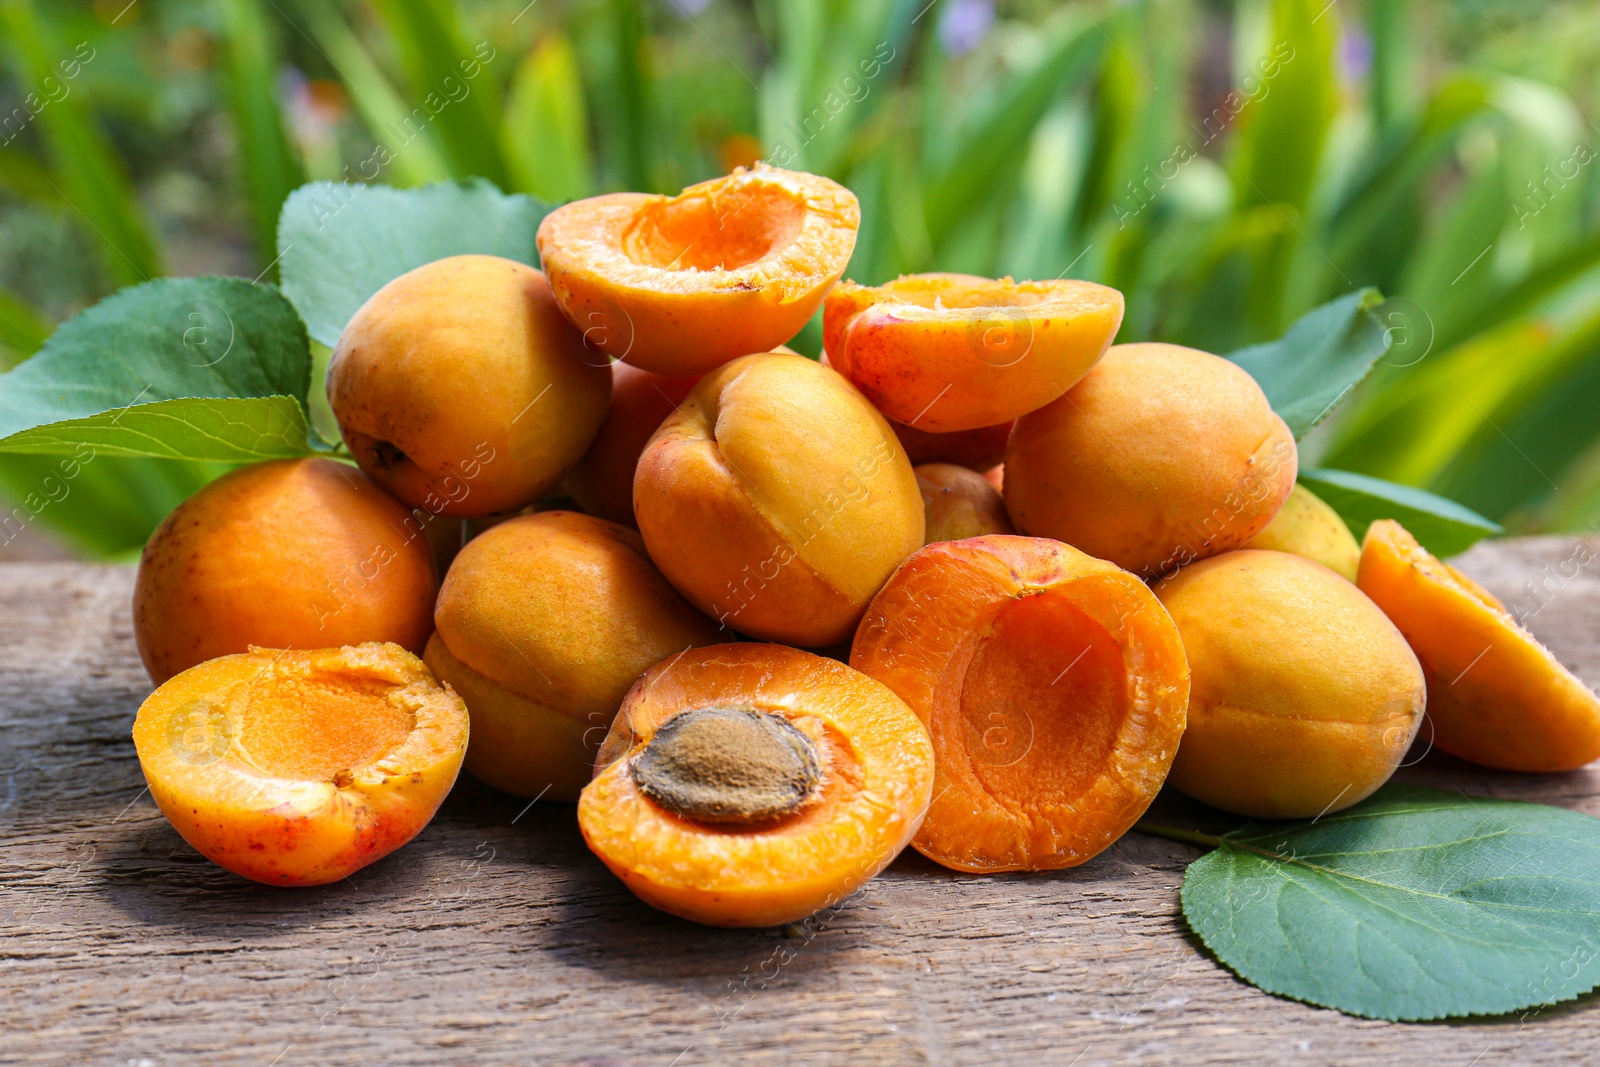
(1355, 53)
(686, 9)
(964, 23)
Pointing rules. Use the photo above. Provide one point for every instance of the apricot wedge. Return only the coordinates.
(301, 767)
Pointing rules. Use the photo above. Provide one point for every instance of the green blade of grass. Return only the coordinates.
(269, 167)
(546, 124)
(22, 329)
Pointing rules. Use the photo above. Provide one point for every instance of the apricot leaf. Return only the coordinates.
(1309, 370)
(1415, 904)
(338, 243)
(1442, 526)
(181, 368)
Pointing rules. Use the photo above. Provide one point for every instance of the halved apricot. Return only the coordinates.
(301, 767)
(950, 352)
(681, 285)
(977, 449)
(751, 785)
(958, 502)
(1496, 696)
(1055, 688)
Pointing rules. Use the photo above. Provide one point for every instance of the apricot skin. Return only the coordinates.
(544, 621)
(978, 449)
(602, 482)
(958, 502)
(1307, 526)
(292, 553)
(460, 387)
(1496, 696)
(233, 786)
(1160, 456)
(777, 500)
(877, 779)
(1305, 697)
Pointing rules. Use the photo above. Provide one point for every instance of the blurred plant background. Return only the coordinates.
(1228, 166)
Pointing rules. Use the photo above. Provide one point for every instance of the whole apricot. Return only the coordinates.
(291, 553)
(301, 767)
(978, 449)
(544, 621)
(602, 482)
(1307, 526)
(1305, 697)
(958, 502)
(751, 785)
(461, 388)
(778, 500)
(1161, 455)
(1496, 696)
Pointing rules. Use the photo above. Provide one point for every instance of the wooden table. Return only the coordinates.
(496, 938)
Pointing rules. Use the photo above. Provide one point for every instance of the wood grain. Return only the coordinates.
(496, 938)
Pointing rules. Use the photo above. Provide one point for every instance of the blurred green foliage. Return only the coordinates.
(1229, 166)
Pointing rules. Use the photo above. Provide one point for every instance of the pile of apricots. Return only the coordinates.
(976, 581)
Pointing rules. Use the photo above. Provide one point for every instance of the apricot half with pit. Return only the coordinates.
(1054, 686)
(544, 621)
(1496, 696)
(680, 285)
(301, 767)
(751, 785)
(949, 352)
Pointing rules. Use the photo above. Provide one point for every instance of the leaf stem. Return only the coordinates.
(1172, 833)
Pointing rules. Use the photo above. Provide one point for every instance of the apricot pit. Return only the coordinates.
(728, 765)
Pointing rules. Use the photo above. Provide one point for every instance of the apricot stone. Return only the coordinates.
(461, 388)
(292, 553)
(778, 500)
(958, 502)
(1307, 526)
(544, 621)
(1161, 455)
(1305, 697)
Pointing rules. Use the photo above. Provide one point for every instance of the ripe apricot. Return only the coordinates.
(291, 553)
(751, 785)
(301, 767)
(602, 482)
(680, 285)
(978, 449)
(1053, 684)
(958, 502)
(950, 352)
(1496, 696)
(1306, 526)
(462, 389)
(1161, 455)
(1305, 697)
(777, 500)
(544, 621)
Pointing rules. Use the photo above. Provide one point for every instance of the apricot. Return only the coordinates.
(1054, 687)
(461, 388)
(602, 481)
(950, 352)
(978, 449)
(291, 553)
(680, 285)
(544, 621)
(958, 502)
(1305, 697)
(777, 500)
(1496, 696)
(300, 767)
(751, 785)
(1160, 456)
(1306, 526)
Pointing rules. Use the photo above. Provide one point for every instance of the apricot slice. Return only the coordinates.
(1496, 696)
(1054, 686)
(1161, 455)
(544, 621)
(1305, 697)
(1306, 526)
(291, 553)
(681, 285)
(958, 502)
(950, 352)
(751, 785)
(301, 767)
(777, 500)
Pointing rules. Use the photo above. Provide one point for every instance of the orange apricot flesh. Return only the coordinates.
(958, 502)
(872, 776)
(1496, 696)
(1054, 686)
(951, 352)
(301, 767)
(681, 285)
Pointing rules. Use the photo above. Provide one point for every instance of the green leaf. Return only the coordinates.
(1442, 526)
(1416, 904)
(341, 243)
(194, 368)
(1307, 371)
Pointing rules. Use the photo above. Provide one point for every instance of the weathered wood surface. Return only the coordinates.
(496, 938)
